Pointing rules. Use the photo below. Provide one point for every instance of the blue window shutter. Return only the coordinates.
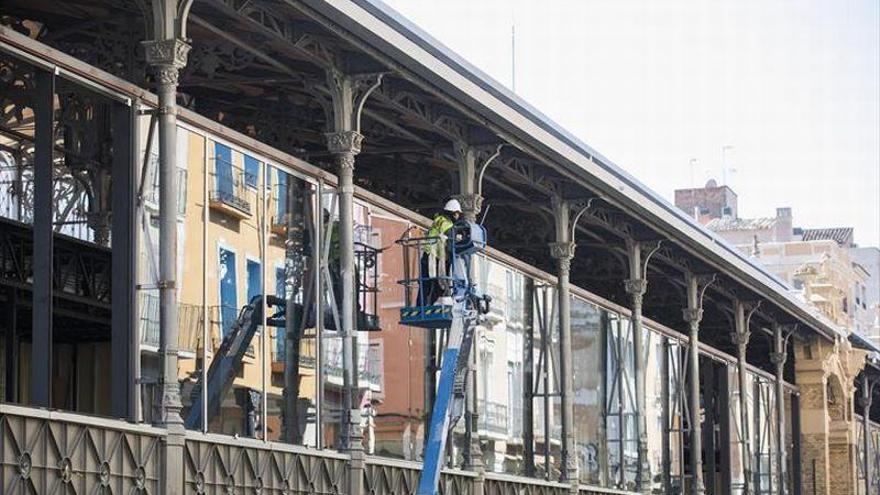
(255, 280)
(281, 197)
(228, 291)
(251, 170)
(280, 332)
(280, 283)
(223, 170)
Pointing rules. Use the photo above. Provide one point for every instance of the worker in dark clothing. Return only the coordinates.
(435, 262)
(333, 258)
(335, 268)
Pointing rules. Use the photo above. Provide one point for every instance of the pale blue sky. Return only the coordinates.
(792, 85)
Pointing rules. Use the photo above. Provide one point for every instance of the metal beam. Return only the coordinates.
(41, 343)
(123, 327)
(11, 345)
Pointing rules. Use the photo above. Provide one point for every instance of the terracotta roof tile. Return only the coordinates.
(842, 235)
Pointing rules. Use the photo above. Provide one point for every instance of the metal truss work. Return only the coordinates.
(82, 157)
(82, 272)
(268, 21)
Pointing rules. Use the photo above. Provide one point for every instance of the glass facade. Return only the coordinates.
(588, 342)
(620, 402)
(500, 353)
(543, 354)
(395, 365)
(193, 310)
(290, 264)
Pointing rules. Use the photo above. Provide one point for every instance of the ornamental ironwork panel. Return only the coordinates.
(391, 477)
(382, 479)
(235, 467)
(43, 452)
(495, 486)
(452, 483)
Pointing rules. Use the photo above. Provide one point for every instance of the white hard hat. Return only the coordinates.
(453, 205)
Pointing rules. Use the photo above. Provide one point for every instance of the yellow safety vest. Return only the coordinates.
(438, 229)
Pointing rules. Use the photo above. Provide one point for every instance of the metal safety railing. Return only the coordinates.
(493, 417)
(189, 317)
(228, 187)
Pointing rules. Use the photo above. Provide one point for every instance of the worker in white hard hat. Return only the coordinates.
(434, 262)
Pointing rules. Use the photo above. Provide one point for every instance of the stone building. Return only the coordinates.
(823, 265)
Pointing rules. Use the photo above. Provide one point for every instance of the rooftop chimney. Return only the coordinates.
(783, 230)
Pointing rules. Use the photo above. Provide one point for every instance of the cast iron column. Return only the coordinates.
(563, 251)
(471, 204)
(344, 146)
(867, 398)
(778, 358)
(692, 315)
(636, 286)
(347, 95)
(166, 55)
(741, 336)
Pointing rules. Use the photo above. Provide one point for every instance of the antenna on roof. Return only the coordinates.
(724, 150)
(512, 50)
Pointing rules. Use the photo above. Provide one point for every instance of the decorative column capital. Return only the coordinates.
(741, 339)
(563, 252)
(172, 51)
(636, 286)
(470, 203)
(166, 57)
(692, 315)
(778, 358)
(344, 142)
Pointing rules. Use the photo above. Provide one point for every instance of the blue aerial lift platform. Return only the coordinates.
(458, 310)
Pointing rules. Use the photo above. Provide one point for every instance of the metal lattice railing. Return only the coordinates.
(395, 477)
(52, 452)
(57, 452)
(217, 464)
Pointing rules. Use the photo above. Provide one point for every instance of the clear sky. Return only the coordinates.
(791, 89)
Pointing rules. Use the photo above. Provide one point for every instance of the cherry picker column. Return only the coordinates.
(457, 311)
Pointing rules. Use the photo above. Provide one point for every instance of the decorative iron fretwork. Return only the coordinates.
(44, 455)
(231, 467)
(112, 45)
(212, 58)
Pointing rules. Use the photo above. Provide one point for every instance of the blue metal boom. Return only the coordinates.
(466, 240)
(441, 419)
